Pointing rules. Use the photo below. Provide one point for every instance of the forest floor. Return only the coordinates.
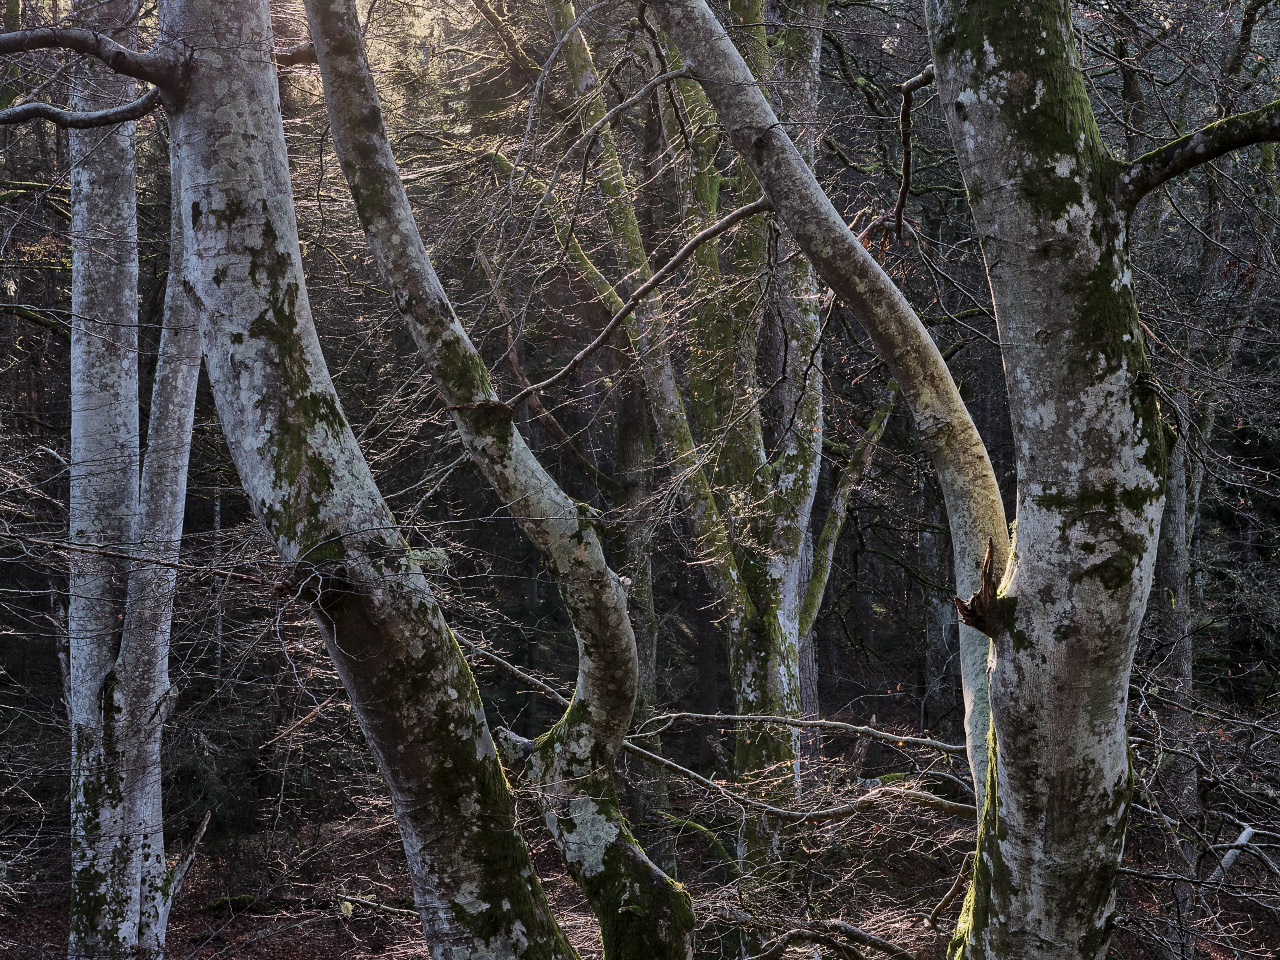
(340, 891)
(341, 894)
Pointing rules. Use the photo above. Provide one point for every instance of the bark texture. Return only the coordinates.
(1090, 450)
(572, 765)
(153, 580)
(105, 884)
(311, 488)
(122, 605)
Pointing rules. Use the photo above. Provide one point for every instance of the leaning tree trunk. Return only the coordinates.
(105, 863)
(1091, 466)
(572, 766)
(148, 621)
(309, 485)
(974, 508)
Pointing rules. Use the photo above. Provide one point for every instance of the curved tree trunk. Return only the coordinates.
(974, 507)
(573, 764)
(311, 488)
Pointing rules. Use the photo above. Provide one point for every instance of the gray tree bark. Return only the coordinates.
(1091, 457)
(105, 885)
(572, 766)
(148, 618)
(309, 485)
(974, 508)
(123, 586)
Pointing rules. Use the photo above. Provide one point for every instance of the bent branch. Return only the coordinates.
(83, 119)
(1187, 152)
(159, 68)
(573, 763)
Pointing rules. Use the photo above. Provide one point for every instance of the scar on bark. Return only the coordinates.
(979, 611)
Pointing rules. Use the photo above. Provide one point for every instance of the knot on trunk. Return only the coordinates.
(979, 611)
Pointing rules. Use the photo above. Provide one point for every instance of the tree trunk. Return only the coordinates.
(105, 858)
(572, 765)
(309, 485)
(974, 508)
(144, 655)
(1168, 621)
(650, 797)
(1091, 466)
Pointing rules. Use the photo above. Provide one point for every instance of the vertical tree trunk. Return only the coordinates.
(1091, 467)
(1169, 622)
(650, 798)
(105, 883)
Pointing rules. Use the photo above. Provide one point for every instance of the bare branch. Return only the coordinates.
(162, 69)
(880, 794)
(1187, 152)
(297, 55)
(83, 119)
(956, 749)
(515, 49)
(179, 871)
(683, 254)
(920, 80)
(855, 469)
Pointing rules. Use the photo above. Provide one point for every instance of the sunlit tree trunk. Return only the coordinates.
(974, 509)
(309, 485)
(1087, 429)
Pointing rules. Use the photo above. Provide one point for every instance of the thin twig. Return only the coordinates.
(642, 291)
